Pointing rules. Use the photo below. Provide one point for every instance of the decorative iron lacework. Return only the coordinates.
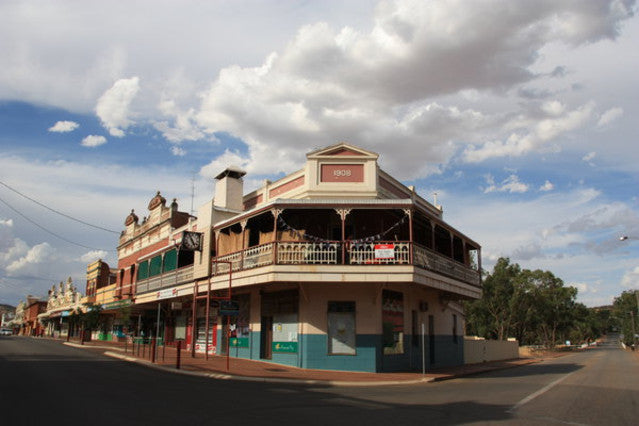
(313, 238)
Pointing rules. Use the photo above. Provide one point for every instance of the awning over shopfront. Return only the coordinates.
(57, 314)
(117, 305)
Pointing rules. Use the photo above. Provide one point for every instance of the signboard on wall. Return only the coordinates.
(288, 347)
(342, 173)
(285, 333)
(167, 293)
(384, 251)
(229, 307)
(239, 342)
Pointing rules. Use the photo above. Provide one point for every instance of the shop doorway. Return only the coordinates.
(431, 339)
(266, 337)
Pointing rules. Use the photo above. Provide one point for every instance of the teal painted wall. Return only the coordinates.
(313, 354)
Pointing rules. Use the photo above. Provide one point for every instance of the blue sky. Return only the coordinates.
(519, 115)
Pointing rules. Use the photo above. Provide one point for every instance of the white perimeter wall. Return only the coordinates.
(480, 350)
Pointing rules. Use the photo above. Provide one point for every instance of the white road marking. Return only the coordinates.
(539, 392)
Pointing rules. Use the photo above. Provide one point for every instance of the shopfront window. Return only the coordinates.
(341, 328)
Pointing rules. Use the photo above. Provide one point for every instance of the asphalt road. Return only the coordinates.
(44, 382)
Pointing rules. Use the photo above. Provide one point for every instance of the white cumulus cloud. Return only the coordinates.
(531, 136)
(178, 151)
(113, 107)
(64, 126)
(547, 186)
(92, 141)
(93, 256)
(36, 255)
(631, 279)
(609, 116)
(511, 184)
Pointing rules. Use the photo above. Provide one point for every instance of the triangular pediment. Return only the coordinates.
(342, 150)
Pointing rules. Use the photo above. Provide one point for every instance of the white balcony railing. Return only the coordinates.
(296, 253)
(365, 254)
(428, 259)
(222, 267)
(258, 256)
(330, 253)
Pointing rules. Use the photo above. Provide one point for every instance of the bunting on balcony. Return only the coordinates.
(298, 234)
(369, 239)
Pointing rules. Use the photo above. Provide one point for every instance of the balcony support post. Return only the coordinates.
(342, 215)
(276, 214)
(217, 250)
(208, 312)
(432, 236)
(243, 225)
(452, 245)
(409, 213)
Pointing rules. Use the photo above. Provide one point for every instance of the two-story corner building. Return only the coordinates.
(336, 266)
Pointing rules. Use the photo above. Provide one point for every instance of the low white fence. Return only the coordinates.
(477, 350)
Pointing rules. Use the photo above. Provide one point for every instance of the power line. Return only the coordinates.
(56, 211)
(50, 232)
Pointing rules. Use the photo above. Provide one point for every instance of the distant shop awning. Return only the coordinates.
(117, 305)
(58, 314)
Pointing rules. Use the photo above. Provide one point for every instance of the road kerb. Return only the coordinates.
(225, 376)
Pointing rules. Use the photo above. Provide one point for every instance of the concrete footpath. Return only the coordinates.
(223, 368)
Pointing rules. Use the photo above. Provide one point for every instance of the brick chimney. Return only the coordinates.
(229, 189)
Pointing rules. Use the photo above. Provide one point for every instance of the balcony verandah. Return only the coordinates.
(345, 236)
